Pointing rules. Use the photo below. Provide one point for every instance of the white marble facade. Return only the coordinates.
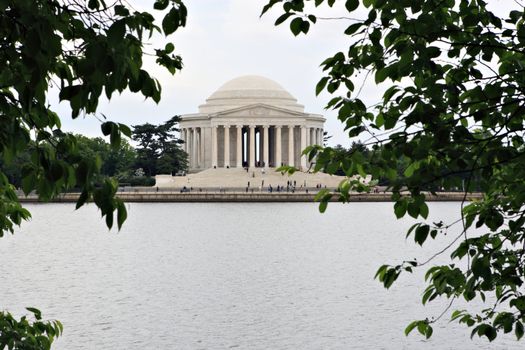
(250, 121)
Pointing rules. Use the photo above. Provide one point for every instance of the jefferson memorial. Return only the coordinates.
(250, 121)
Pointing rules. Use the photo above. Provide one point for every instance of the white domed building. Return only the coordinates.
(250, 121)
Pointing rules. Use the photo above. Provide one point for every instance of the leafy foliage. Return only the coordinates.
(453, 111)
(159, 151)
(114, 161)
(24, 334)
(82, 49)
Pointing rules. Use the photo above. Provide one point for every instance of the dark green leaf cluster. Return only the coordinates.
(25, 334)
(451, 118)
(159, 150)
(83, 48)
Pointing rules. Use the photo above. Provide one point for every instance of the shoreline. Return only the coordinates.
(218, 196)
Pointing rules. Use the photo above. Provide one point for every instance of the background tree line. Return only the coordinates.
(370, 156)
(157, 151)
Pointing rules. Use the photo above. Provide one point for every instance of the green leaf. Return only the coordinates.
(125, 130)
(82, 199)
(171, 21)
(422, 327)
(412, 228)
(421, 234)
(305, 26)
(411, 327)
(409, 171)
(121, 10)
(109, 220)
(161, 4)
(116, 32)
(413, 209)
(106, 128)
(122, 214)
(283, 18)
(400, 208)
(321, 85)
(518, 329)
(322, 206)
(381, 272)
(69, 92)
(480, 266)
(456, 314)
(381, 75)
(296, 25)
(269, 6)
(423, 210)
(114, 138)
(93, 4)
(351, 5)
(28, 183)
(353, 28)
(320, 195)
(429, 294)
(169, 48)
(428, 331)
(36, 312)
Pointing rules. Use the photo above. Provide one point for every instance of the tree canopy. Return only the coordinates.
(82, 49)
(453, 109)
(159, 150)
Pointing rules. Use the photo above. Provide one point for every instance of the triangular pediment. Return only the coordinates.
(258, 110)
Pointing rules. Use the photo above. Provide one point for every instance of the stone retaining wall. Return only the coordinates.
(250, 197)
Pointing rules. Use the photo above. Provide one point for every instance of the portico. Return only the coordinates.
(250, 122)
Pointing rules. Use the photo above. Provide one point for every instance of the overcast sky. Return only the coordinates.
(225, 39)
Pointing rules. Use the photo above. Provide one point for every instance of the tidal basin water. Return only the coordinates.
(220, 276)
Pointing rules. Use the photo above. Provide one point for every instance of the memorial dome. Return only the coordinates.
(248, 90)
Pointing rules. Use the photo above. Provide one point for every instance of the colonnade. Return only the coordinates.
(248, 145)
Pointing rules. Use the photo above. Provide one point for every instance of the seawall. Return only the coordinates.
(154, 197)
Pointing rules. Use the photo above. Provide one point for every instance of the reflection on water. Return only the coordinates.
(218, 276)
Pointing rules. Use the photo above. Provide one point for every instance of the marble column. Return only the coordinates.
(266, 145)
(183, 138)
(239, 146)
(252, 146)
(199, 148)
(307, 134)
(195, 150)
(291, 152)
(188, 146)
(192, 147)
(303, 146)
(278, 155)
(187, 138)
(226, 146)
(214, 146)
